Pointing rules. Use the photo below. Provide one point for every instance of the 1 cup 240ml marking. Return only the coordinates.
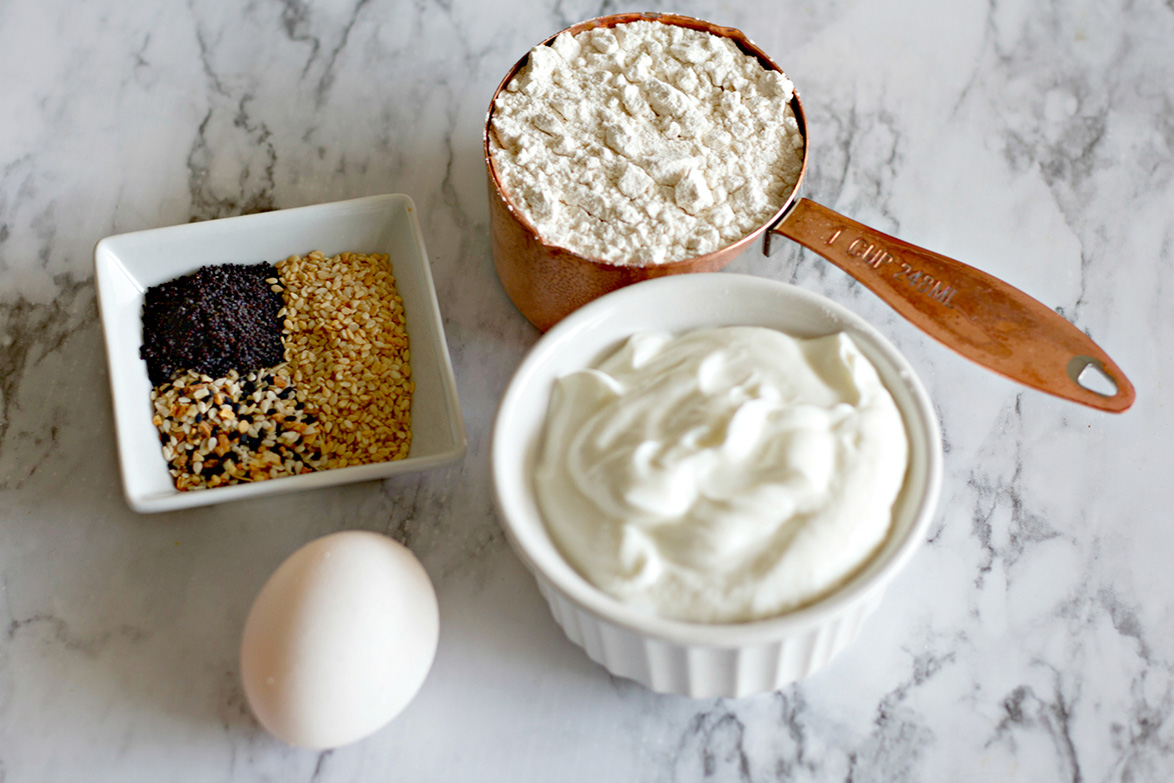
(876, 256)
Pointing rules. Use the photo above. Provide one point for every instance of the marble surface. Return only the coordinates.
(1029, 639)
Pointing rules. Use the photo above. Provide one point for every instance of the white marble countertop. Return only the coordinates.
(1028, 640)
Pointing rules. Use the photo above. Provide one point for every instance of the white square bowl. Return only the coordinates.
(126, 265)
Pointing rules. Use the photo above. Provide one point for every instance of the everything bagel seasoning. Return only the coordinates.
(233, 429)
(263, 371)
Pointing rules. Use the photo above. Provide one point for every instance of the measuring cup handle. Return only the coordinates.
(977, 315)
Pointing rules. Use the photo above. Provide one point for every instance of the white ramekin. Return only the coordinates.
(670, 656)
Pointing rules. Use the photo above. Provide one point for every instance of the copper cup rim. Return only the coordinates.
(743, 42)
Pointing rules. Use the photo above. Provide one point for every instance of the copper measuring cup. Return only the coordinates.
(975, 314)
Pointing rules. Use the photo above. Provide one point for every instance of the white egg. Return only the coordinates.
(339, 639)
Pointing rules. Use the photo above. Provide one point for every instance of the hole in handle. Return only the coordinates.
(1089, 373)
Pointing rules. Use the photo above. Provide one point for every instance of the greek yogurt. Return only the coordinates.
(722, 475)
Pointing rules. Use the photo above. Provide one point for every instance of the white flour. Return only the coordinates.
(645, 143)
